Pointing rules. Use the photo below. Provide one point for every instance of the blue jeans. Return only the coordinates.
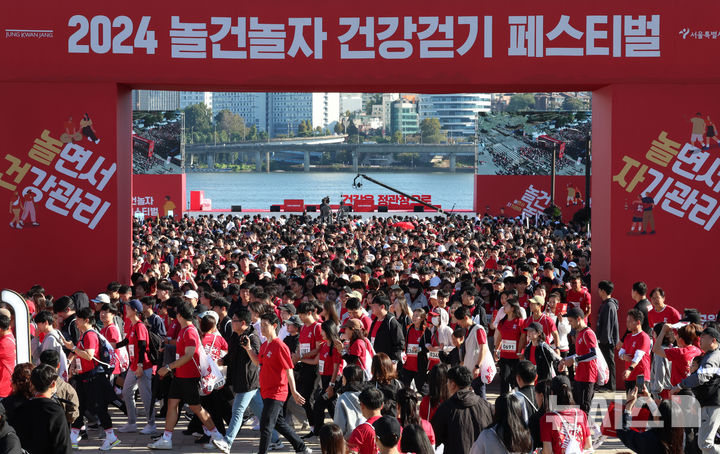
(242, 401)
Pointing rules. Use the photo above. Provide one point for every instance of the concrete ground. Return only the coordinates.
(247, 440)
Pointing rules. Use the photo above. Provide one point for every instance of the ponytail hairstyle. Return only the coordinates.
(561, 389)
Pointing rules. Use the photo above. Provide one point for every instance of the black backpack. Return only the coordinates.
(154, 346)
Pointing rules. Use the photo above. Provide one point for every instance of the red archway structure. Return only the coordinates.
(652, 67)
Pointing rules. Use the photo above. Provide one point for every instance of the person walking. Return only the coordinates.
(608, 331)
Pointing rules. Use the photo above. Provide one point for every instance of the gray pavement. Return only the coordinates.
(247, 440)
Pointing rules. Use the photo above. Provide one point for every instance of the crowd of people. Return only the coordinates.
(375, 337)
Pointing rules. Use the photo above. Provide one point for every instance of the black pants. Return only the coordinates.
(217, 405)
(322, 404)
(307, 374)
(409, 375)
(506, 368)
(94, 393)
(272, 418)
(583, 393)
(608, 352)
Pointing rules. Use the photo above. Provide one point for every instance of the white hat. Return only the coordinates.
(282, 267)
(441, 248)
(189, 239)
(572, 264)
(532, 260)
(191, 294)
(435, 281)
(102, 298)
(507, 274)
(212, 314)
(433, 294)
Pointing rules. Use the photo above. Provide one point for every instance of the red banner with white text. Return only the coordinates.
(527, 195)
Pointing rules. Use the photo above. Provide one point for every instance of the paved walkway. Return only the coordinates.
(247, 441)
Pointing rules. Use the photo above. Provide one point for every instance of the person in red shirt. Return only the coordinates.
(661, 312)
(355, 310)
(558, 429)
(362, 438)
(7, 356)
(507, 344)
(537, 314)
(330, 364)
(140, 372)
(306, 355)
(680, 357)
(413, 351)
(359, 350)
(579, 296)
(185, 384)
(276, 377)
(635, 350)
(585, 359)
(93, 386)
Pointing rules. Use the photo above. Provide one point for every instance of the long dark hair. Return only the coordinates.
(408, 412)
(331, 440)
(670, 437)
(510, 425)
(415, 440)
(331, 332)
(437, 383)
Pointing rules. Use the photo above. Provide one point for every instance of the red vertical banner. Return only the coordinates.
(159, 195)
(656, 208)
(65, 180)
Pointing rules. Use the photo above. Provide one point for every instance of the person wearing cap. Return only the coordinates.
(585, 359)
(459, 420)
(415, 297)
(386, 333)
(539, 352)
(538, 315)
(286, 311)
(705, 385)
(439, 335)
(185, 384)
(192, 297)
(387, 434)
(141, 370)
(608, 331)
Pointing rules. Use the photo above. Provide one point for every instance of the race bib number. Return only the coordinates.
(508, 345)
(321, 366)
(78, 365)
(177, 356)
(131, 349)
(372, 341)
(434, 355)
(413, 349)
(304, 349)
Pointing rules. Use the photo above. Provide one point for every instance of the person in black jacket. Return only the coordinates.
(386, 334)
(638, 294)
(53, 435)
(242, 375)
(608, 331)
(9, 441)
(459, 420)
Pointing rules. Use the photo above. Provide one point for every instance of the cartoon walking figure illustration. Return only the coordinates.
(71, 133)
(570, 195)
(86, 126)
(711, 132)
(15, 209)
(28, 208)
(698, 130)
(636, 208)
(648, 218)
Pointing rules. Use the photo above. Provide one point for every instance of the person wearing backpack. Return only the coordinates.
(93, 387)
(564, 431)
(140, 372)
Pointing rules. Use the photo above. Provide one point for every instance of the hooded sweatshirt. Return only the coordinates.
(459, 420)
(347, 410)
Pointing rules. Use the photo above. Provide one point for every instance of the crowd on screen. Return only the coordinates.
(365, 336)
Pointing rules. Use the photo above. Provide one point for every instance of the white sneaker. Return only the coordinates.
(161, 444)
(149, 429)
(222, 445)
(307, 451)
(128, 428)
(110, 443)
(256, 426)
(278, 445)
